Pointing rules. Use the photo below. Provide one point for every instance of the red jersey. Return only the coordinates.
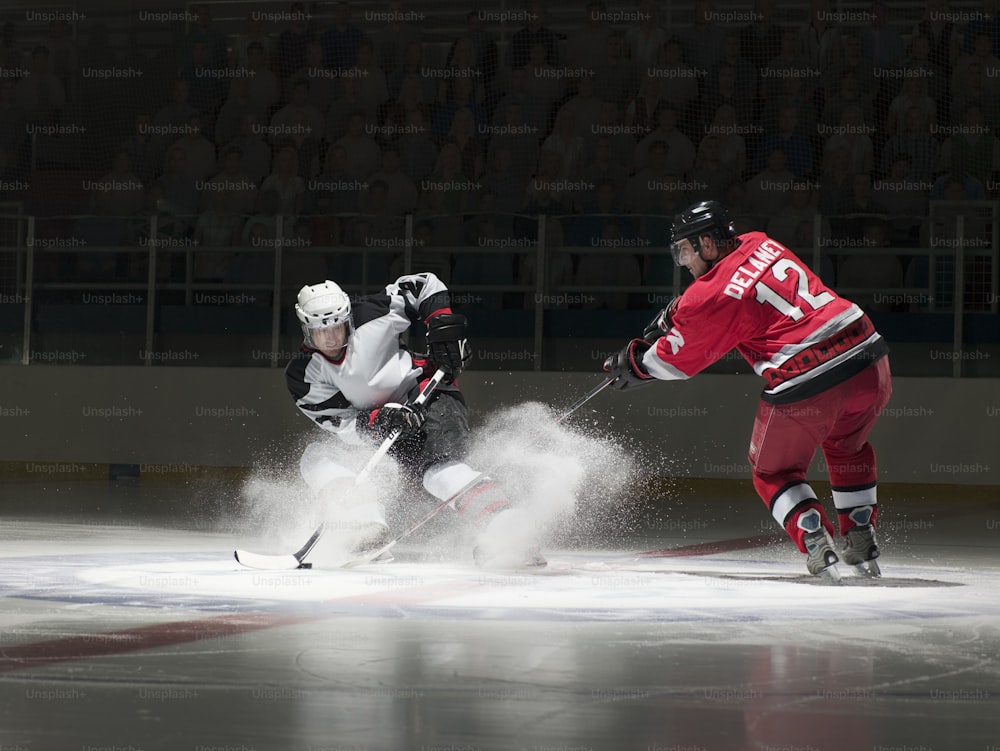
(762, 300)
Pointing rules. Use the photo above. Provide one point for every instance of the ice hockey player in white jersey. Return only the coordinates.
(353, 378)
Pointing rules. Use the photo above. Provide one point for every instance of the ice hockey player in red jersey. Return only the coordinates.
(825, 368)
(353, 378)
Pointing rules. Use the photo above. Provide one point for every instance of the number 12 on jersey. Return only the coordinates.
(780, 270)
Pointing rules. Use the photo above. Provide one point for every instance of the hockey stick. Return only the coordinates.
(371, 556)
(295, 560)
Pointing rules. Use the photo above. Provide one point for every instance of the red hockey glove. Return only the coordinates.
(380, 422)
(627, 368)
(661, 323)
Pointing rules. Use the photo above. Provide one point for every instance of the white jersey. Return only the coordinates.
(375, 368)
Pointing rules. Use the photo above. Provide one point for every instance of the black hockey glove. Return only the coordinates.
(447, 345)
(380, 422)
(661, 323)
(627, 368)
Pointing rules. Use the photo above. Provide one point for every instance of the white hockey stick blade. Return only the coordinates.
(263, 562)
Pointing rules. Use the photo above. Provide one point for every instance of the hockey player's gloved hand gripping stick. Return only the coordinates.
(295, 560)
(371, 556)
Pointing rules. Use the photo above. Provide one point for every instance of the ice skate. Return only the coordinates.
(821, 557)
(860, 551)
(507, 543)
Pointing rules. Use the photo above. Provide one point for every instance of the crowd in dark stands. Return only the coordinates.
(325, 131)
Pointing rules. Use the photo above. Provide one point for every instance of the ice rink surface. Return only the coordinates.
(699, 632)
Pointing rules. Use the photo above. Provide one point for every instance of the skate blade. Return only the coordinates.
(831, 574)
(868, 569)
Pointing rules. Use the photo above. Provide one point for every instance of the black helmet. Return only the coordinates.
(704, 218)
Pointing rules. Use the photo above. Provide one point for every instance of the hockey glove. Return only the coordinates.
(380, 422)
(661, 323)
(447, 345)
(626, 366)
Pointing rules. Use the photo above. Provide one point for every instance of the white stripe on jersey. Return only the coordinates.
(823, 332)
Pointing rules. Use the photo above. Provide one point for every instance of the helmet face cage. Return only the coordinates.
(706, 218)
(322, 306)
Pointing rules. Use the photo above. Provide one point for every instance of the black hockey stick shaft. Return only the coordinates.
(468, 486)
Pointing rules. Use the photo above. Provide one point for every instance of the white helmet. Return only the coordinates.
(322, 305)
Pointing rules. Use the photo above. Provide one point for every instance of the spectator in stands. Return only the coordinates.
(465, 134)
(236, 107)
(206, 89)
(726, 91)
(237, 189)
(732, 143)
(401, 193)
(642, 188)
(344, 108)
(198, 150)
(914, 140)
(971, 148)
(371, 80)
(120, 192)
(203, 32)
(179, 190)
(139, 149)
(547, 192)
(617, 268)
(323, 88)
(263, 87)
(914, 94)
(253, 31)
(862, 205)
(880, 41)
(986, 20)
(11, 56)
(565, 141)
(519, 138)
(761, 38)
(40, 95)
(711, 176)
(680, 149)
(533, 112)
(485, 55)
(640, 113)
(678, 80)
(792, 93)
(942, 33)
(768, 191)
(417, 150)
(851, 62)
(298, 116)
(848, 94)
(363, 154)
(341, 41)
(835, 182)
(799, 157)
(411, 97)
(852, 133)
(622, 142)
(533, 32)
(981, 54)
(918, 63)
(705, 40)
(461, 63)
(413, 65)
(975, 91)
(343, 188)
(392, 39)
(374, 203)
(541, 82)
(800, 208)
(63, 57)
(501, 180)
(462, 93)
(821, 35)
(292, 42)
(588, 36)
(643, 40)
(12, 130)
(744, 75)
(587, 229)
(790, 62)
(601, 167)
(447, 190)
(584, 106)
(256, 154)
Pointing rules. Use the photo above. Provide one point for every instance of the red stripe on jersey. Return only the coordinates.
(441, 311)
